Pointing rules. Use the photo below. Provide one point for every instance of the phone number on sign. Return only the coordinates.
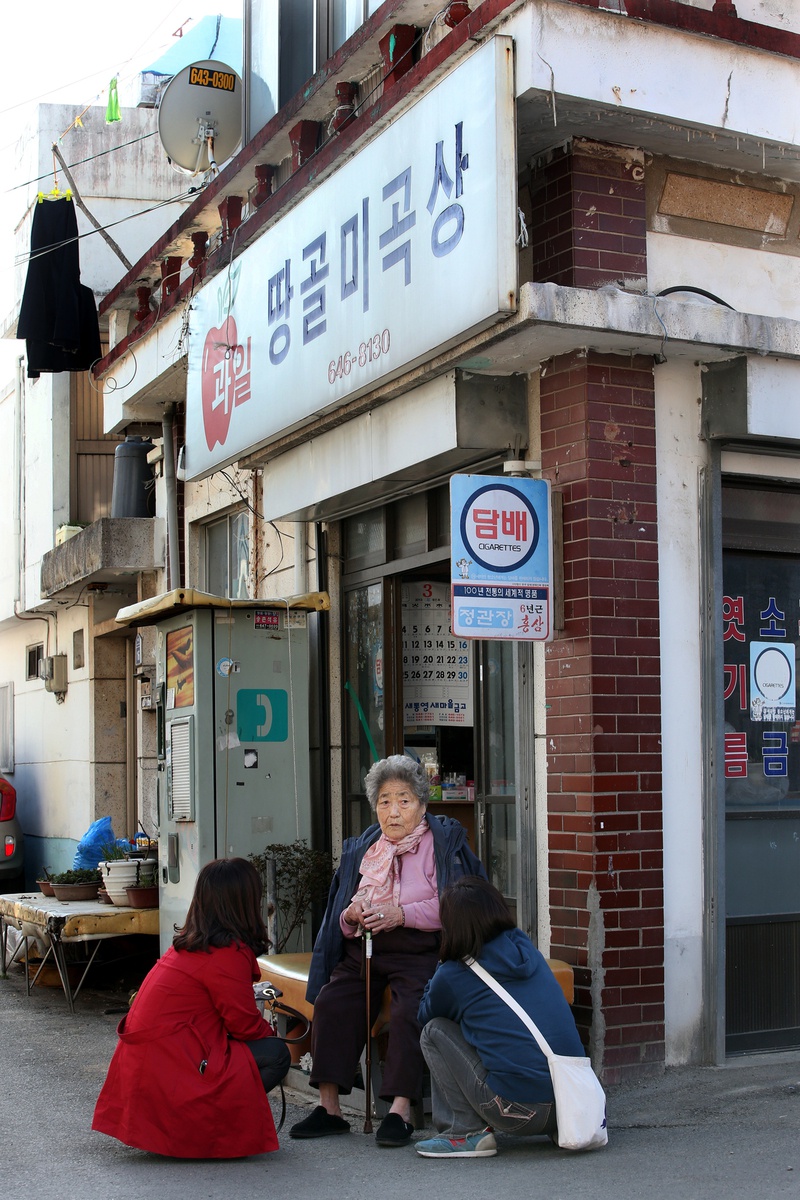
(367, 352)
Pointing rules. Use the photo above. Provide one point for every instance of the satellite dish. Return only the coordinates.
(200, 116)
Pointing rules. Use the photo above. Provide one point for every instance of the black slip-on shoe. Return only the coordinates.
(319, 1123)
(394, 1131)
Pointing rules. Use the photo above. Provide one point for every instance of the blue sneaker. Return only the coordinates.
(472, 1145)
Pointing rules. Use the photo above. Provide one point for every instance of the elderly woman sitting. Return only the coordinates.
(388, 884)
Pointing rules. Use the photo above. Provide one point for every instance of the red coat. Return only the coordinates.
(193, 1007)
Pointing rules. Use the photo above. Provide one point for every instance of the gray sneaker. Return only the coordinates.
(472, 1145)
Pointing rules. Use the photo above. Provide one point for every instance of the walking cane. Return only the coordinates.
(368, 1064)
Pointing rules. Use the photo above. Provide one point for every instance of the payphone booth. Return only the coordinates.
(231, 700)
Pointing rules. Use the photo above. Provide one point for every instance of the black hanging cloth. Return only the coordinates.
(58, 316)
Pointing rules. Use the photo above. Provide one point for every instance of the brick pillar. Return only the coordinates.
(604, 716)
(588, 225)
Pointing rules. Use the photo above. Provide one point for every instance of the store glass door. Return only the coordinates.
(363, 697)
(450, 705)
(761, 634)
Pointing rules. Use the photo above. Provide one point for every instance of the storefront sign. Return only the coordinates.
(772, 685)
(407, 248)
(437, 674)
(501, 557)
(761, 604)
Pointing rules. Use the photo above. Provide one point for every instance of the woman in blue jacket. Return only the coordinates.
(487, 1072)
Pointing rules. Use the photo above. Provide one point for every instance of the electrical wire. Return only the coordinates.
(670, 291)
(260, 517)
(95, 74)
(698, 291)
(23, 259)
(82, 161)
(108, 382)
(242, 496)
(277, 566)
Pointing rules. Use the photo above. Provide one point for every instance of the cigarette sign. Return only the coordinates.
(501, 557)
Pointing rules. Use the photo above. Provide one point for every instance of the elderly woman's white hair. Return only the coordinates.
(400, 767)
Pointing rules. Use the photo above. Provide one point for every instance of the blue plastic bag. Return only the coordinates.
(93, 846)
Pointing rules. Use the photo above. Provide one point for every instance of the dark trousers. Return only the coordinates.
(272, 1059)
(403, 960)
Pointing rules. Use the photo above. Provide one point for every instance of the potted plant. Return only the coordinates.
(119, 872)
(144, 892)
(44, 885)
(293, 877)
(76, 885)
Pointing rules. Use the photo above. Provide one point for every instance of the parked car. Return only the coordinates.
(11, 841)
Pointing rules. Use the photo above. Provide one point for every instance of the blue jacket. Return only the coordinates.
(453, 859)
(516, 1068)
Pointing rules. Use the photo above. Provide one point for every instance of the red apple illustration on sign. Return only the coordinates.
(217, 377)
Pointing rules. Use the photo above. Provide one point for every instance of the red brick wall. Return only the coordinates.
(603, 693)
(588, 223)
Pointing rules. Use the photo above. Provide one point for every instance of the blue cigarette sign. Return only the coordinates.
(501, 570)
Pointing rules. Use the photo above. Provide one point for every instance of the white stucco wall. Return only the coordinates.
(9, 570)
(748, 92)
(52, 772)
(113, 185)
(681, 456)
(752, 281)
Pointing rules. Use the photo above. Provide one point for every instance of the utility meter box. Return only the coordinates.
(231, 697)
(53, 670)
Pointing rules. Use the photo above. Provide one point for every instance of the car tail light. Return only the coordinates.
(11, 845)
(8, 801)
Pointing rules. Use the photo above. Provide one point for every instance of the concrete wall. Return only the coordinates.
(9, 501)
(112, 185)
(681, 456)
(618, 65)
(753, 281)
(52, 772)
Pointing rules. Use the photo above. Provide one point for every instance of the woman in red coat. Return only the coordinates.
(195, 1058)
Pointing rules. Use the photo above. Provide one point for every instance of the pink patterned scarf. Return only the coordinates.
(380, 870)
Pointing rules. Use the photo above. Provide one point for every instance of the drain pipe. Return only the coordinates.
(131, 800)
(173, 544)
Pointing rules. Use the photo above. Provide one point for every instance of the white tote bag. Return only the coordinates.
(580, 1099)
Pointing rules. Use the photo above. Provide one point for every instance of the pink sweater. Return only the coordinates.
(419, 896)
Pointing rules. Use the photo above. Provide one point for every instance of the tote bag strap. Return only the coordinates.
(491, 982)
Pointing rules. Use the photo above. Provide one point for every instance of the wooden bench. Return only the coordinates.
(289, 972)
